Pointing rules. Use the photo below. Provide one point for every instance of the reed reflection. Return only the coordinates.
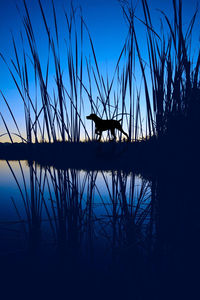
(82, 207)
(103, 224)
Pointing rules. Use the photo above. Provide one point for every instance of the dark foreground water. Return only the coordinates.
(72, 234)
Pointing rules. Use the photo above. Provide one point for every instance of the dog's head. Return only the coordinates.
(92, 117)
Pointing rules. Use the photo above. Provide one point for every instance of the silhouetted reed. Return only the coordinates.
(130, 217)
(173, 71)
(171, 95)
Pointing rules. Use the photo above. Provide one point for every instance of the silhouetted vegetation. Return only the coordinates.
(145, 227)
(172, 94)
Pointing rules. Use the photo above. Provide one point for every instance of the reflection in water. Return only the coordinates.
(86, 227)
(94, 221)
(75, 207)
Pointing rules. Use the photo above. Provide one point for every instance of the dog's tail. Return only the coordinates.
(117, 120)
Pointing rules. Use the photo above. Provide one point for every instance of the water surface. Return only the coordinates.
(63, 228)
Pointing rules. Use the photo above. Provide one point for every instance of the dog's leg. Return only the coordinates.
(100, 134)
(124, 132)
(119, 127)
(113, 133)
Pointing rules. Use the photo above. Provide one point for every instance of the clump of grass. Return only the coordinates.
(60, 115)
(171, 96)
(174, 75)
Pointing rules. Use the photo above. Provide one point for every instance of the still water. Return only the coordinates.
(71, 205)
(71, 231)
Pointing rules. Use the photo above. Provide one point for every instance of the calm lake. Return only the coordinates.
(70, 228)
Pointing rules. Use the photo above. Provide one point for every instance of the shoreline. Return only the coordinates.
(150, 156)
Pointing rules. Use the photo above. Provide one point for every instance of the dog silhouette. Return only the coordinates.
(103, 125)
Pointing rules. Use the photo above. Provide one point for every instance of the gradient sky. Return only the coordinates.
(106, 24)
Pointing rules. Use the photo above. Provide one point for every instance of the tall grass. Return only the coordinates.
(174, 73)
(60, 116)
(58, 112)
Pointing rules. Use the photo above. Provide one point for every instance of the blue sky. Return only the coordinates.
(106, 24)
